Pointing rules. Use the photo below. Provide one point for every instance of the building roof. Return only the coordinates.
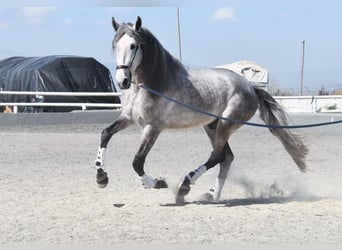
(250, 70)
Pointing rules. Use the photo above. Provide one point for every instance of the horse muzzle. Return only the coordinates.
(123, 76)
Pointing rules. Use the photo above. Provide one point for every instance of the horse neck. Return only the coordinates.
(160, 70)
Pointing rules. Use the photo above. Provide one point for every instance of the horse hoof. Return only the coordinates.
(184, 187)
(180, 201)
(102, 185)
(161, 184)
(101, 178)
(207, 197)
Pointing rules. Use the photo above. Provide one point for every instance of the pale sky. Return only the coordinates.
(212, 33)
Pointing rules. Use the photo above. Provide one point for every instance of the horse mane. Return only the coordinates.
(158, 66)
(127, 28)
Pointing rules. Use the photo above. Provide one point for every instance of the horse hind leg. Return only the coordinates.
(221, 154)
(228, 157)
(214, 192)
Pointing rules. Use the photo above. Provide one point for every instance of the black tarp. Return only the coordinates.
(55, 74)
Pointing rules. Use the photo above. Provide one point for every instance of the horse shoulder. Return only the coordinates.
(142, 109)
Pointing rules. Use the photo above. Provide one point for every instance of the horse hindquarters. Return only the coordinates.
(273, 114)
(237, 109)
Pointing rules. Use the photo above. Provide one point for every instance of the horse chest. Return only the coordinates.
(138, 116)
(142, 111)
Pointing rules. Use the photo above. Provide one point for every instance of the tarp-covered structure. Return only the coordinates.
(55, 74)
(252, 71)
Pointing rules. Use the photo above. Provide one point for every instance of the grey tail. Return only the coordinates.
(273, 114)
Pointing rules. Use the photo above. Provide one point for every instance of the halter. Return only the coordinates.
(123, 66)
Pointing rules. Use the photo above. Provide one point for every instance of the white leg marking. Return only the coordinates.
(216, 190)
(99, 163)
(196, 173)
(147, 181)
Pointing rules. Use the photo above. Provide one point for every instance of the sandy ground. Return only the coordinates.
(49, 194)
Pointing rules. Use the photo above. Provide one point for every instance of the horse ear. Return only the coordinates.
(137, 24)
(116, 25)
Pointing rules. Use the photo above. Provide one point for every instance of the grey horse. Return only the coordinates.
(140, 58)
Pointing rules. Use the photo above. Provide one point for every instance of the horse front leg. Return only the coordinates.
(101, 176)
(150, 135)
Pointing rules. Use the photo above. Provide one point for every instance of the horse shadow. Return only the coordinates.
(247, 201)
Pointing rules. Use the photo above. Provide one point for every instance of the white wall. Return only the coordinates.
(312, 104)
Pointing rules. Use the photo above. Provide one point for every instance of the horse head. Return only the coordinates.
(128, 52)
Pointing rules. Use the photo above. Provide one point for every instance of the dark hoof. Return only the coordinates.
(180, 201)
(101, 178)
(161, 184)
(184, 187)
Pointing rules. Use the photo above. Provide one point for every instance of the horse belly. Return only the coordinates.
(186, 119)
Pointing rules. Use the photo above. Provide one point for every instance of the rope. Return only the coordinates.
(233, 120)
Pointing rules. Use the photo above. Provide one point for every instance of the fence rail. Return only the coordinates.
(59, 104)
(33, 93)
(331, 103)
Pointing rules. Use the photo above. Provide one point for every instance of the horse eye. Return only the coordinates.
(133, 46)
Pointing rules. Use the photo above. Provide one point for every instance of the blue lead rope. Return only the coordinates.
(233, 120)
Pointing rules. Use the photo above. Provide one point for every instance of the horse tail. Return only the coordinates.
(273, 114)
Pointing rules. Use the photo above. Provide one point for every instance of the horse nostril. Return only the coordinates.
(125, 83)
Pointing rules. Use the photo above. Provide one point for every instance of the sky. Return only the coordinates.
(213, 33)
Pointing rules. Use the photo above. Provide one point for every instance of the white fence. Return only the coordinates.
(312, 104)
(59, 104)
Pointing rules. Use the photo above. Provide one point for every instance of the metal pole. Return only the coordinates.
(179, 36)
(302, 70)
